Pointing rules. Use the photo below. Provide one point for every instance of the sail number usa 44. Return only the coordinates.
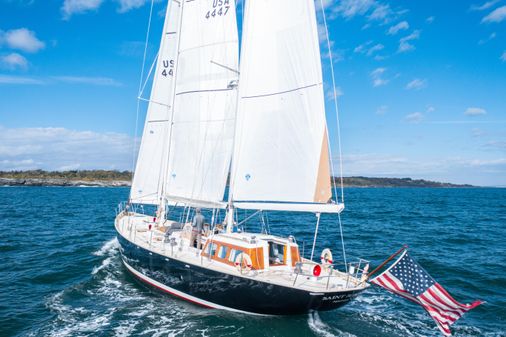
(220, 8)
(167, 67)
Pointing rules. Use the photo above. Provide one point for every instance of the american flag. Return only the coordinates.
(409, 280)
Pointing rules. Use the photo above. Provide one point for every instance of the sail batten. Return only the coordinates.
(283, 92)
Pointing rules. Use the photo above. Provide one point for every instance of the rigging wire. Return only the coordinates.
(331, 61)
(141, 91)
(140, 86)
(342, 242)
(315, 234)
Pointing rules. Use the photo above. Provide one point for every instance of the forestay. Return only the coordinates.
(281, 153)
(149, 171)
(205, 103)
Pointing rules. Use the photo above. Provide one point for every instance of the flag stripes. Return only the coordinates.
(408, 279)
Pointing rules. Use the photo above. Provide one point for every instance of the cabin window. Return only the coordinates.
(222, 252)
(234, 253)
(276, 253)
(211, 249)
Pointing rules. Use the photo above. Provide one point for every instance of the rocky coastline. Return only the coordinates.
(62, 182)
(364, 182)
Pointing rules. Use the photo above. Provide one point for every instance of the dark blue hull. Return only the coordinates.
(214, 289)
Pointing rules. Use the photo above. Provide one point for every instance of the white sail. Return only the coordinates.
(281, 152)
(149, 171)
(205, 103)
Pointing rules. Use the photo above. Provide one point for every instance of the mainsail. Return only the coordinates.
(149, 173)
(281, 153)
(205, 102)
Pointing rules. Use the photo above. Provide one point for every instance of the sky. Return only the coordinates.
(421, 85)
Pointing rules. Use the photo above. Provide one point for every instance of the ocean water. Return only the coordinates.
(61, 274)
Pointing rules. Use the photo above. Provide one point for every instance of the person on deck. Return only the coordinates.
(198, 225)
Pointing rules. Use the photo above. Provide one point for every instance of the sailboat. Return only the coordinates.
(257, 126)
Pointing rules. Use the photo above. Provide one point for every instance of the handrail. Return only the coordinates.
(357, 275)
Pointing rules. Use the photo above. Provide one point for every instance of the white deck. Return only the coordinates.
(135, 228)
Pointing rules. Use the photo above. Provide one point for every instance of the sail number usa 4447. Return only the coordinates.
(220, 8)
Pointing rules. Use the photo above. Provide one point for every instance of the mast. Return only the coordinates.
(229, 218)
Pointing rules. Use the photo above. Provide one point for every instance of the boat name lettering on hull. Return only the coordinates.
(337, 297)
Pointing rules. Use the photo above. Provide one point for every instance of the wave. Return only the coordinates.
(108, 248)
(104, 264)
(321, 329)
(71, 321)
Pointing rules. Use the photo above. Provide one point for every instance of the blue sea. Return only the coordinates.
(61, 274)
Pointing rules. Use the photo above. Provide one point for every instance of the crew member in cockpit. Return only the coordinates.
(197, 226)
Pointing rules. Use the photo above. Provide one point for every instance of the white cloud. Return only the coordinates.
(444, 169)
(404, 44)
(17, 165)
(486, 5)
(503, 56)
(13, 61)
(496, 144)
(100, 81)
(488, 162)
(473, 122)
(350, 8)
(416, 84)
(326, 4)
(322, 33)
(71, 7)
(57, 148)
(329, 94)
(20, 80)
(374, 164)
(430, 19)
(475, 111)
(126, 5)
(368, 49)
(415, 117)
(497, 15)
(373, 11)
(490, 38)
(381, 13)
(477, 133)
(377, 77)
(403, 25)
(362, 48)
(430, 109)
(337, 54)
(382, 110)
(22, 39)
(375, 48)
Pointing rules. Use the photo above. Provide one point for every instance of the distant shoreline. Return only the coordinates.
(102, 178)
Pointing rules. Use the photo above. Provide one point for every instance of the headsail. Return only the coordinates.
(281, 152)
(205, 103)
(149, 171)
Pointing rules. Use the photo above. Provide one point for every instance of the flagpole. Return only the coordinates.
(404, 247)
